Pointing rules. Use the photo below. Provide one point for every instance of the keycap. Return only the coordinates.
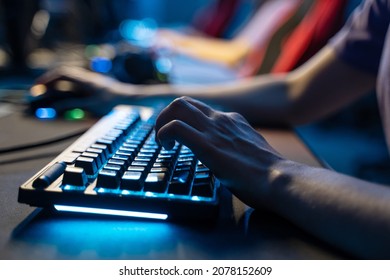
(127, 149)
(87, 163)
(131, 180)
(70, 158)
(155, 182)
(108, 143)
(202, 189)
(143, 164)
(115, 167)
(108, 179)
(159, 169)
(202, 168)
(125, 158)
(99, 152)
(202, 185)
(96, 158)
(136, 168)
(202, 177)
(102, 147)
(74, 176)
(121, 163)
(180, 183)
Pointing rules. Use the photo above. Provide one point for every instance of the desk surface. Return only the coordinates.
(239, 233)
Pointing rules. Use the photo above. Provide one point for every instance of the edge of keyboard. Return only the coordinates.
(176, 207)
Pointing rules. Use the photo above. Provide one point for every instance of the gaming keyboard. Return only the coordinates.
(117, 167)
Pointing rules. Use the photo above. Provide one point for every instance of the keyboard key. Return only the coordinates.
(167, 165)
(144, 164)
(202, 177)
(70, 158)
(151, 151)
(166, 156)
(87, 163)
(108, 179)
(132, 143)
(129, 150)
(159, 169)
(108, 143)
(124, 153)
(124, 158)
(167, 152)
(202, 185)
(180, 183)
(120, 163)
(136, 168)
(202, 189)
(146, 155)
(185, 158)
(102, 147)
(115, 167)
(96, 158)
(74, 176)
(186, 165)
(202, 168)
(131, 180)
(155, 182)
(99, 152)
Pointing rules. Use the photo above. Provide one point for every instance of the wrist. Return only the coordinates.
(280, 179)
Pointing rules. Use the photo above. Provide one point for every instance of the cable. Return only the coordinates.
(42, 143)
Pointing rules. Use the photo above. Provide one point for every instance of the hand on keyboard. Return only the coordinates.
(118, 165)
(225, 142)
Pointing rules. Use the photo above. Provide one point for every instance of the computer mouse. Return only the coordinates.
(138, 68)
(56, 101)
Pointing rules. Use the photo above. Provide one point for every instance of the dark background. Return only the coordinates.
(350, 141)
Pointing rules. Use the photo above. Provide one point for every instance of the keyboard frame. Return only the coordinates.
(177, 207)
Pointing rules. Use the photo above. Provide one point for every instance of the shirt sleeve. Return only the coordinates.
(360, 42)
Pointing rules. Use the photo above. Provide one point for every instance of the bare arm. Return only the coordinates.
(348, 213)
(319, 87)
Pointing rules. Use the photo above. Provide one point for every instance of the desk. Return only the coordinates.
(239, 233)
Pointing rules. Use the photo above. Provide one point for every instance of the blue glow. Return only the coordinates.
(141, 32)
(73, 188)
(113, 212)
(163, 65)
(195, 198)
(45, 113)
(101, 64)
(150, 194)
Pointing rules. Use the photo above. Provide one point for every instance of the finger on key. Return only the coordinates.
(181, 109)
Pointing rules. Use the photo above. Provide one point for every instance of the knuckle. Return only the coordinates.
(221, 117)
(236, 116)
(179, 102)
(175, 124)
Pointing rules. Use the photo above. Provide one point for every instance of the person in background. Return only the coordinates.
(346, 212)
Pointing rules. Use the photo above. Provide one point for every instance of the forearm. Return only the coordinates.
(262, 99)
(346, 212)
(320, 87)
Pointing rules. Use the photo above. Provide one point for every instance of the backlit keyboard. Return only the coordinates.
(117, 167)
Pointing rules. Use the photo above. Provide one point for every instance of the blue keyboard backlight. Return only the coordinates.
(113, 212)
